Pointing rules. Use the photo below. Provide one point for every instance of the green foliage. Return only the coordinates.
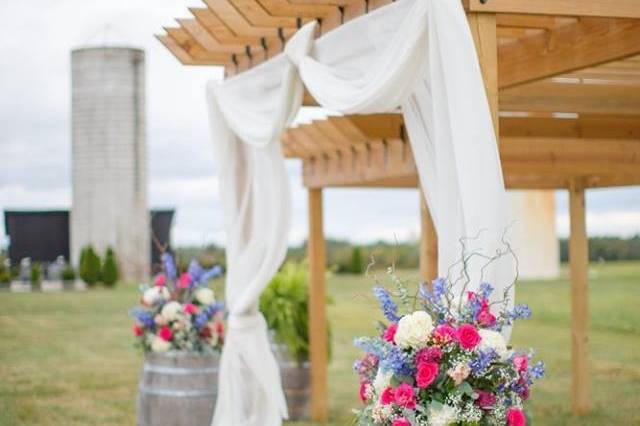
(36, 273)
(68, 273)
(110, 269)
(5, 273)
(607, 248)
(357, 266)
(284, 304)
(89, 266)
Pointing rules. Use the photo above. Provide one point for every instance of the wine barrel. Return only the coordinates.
(296, 382)
(178, 389)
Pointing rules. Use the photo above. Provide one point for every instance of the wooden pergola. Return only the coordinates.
(563, 82)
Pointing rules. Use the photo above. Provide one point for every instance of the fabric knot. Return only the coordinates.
(246, 321)
(300, 44)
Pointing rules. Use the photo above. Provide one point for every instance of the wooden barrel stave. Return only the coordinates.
(177, 389)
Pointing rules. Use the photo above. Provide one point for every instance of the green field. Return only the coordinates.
(67, 359)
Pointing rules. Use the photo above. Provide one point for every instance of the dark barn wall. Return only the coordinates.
(40, 235)
(161, 221)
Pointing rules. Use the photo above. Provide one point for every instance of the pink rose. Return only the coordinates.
(185, 280)
(515, 417)
(432, 354)
(444, 333)
(401, 421)
(190, 308)
(467, 336)
(427, 373)
(363, 391)
(390, 333)
(471, 295)
(485, 400)
(404, 396)
(165, 333)
(485, 318)
(388, 396)
(521, 362)
(160, 280)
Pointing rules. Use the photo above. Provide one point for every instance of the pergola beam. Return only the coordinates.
(602, 8)
(586, 43)
(573, 96)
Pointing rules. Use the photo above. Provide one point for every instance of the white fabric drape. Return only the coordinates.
(413, 56)
(247, 119)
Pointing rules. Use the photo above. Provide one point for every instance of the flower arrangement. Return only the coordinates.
(445, 361)
(179, 311)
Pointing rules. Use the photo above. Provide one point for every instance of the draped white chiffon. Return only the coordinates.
(416, 57)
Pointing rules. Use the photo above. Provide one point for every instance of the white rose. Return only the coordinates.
(204, 296)
(382, 381)
(153, 295)
(160, 345)
(493, 340)
(172, 311)
(414, 330)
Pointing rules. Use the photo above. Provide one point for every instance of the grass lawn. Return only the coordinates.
(67, 359)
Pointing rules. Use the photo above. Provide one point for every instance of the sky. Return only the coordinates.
(35, 131)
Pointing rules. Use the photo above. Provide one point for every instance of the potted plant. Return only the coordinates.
(284, 304)
(179, 326)
(68, 276)
(36, 276)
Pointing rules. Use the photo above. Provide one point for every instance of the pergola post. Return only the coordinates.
(485, 35)
(579, 263)
(318, 349)
(428, 245)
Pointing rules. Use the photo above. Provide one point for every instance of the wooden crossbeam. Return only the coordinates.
(603, 8)
(585, 126)
(554, 96)
(586, 43)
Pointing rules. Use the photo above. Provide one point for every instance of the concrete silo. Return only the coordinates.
(109, 160)
(533, 233)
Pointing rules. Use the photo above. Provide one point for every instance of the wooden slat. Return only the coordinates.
(553, 96)
(287, 8)
(586, 43)
(585, 126)
(602, 8)
(177, 51)
(318, 347)
(198, 53)
(206, 39)
(257, 15)
(579, 264)
(527, 21)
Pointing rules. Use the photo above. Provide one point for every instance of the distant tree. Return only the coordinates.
(110, 268)
(356, 265)
(90, 267)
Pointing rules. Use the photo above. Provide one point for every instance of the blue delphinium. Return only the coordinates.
(484, 359)
(391, 357)
(200, 321)
(388, 306)
(435, 297)
(169, 266)
(537, 371)
(144, 317)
